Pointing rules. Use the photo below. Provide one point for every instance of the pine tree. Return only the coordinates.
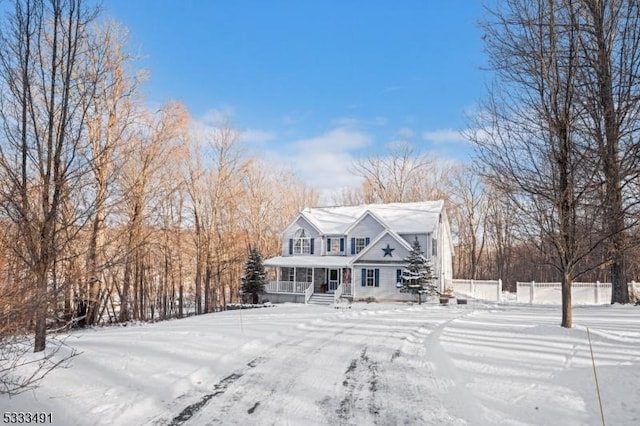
(253, 281)
(417, 276)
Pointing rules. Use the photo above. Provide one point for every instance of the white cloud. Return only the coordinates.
(217, 116)
(380, 121)
(405, 133)
(324, 162)
(346, 122)
(444, 136)
(337, 140)
(256, 136)
(478, 134)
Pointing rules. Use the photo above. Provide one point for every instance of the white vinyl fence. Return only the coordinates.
(489, 290)
(581, 293)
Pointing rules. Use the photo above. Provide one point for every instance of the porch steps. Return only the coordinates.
(321, 299)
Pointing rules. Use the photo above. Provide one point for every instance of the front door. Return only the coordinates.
(333, 279)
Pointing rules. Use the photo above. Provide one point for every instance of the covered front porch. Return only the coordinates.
(309, 275)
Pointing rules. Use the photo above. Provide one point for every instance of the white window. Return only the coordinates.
(371, 278)
(361, 243)
(301, 242)
(333, 245)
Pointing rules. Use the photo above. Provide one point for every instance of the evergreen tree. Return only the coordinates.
(417, 276)
(253, 281)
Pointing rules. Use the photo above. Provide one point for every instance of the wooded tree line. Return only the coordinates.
(112, 212)
(560, 130)
(492, 237)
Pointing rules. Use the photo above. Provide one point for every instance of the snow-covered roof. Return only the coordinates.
(402, 218)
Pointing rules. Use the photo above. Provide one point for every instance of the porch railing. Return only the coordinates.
(342, 290)
(288, 286)
(346, 289)
(337, 294)
(308, 293)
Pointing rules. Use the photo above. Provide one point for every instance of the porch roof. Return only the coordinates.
(309, 261)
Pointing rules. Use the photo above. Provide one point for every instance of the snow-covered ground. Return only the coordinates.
(371, 364)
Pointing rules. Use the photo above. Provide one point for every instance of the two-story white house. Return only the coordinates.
(358, 251)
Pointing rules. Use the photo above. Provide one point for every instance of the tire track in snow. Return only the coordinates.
(391, 383)
(239, 401)
(308, 378)
(218, 390)
(469, 406)
(357, 390)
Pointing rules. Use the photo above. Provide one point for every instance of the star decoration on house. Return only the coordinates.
(387, 251)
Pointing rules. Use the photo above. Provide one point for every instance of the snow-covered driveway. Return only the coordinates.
(372, 364)
(342, 367)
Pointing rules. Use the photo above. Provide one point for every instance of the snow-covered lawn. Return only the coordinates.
(371, 364)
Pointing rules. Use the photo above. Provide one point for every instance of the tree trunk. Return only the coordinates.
(41, 309)
(567, 311)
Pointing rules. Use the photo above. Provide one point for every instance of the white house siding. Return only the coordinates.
(387, 289)
(445, 252)
(290, 232)
(423, 239)
(375, 252)
(368, 227)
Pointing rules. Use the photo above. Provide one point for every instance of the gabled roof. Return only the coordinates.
(366, 213)
(300, 215)
(402, 218)
(392, 234)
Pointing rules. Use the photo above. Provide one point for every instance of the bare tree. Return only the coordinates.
(44, 79)
(610, 76)
(271, 197)
(500, 221)
(111, 112)
(402, 175)
(392, 178)
(470, 219)
(151, 147)
(532, 144)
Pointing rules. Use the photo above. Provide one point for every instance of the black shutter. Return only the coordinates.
(311, 245)
(328, 245)
(367, 241)
(290, 245)
(353, 246)
(376, 273)
(363, 278)
(342, 245)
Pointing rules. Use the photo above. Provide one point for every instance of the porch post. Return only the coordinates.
(278, 275)
(295, 278)
(353, 284)
(313, 278)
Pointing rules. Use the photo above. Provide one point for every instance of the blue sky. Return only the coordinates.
(315, 84)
